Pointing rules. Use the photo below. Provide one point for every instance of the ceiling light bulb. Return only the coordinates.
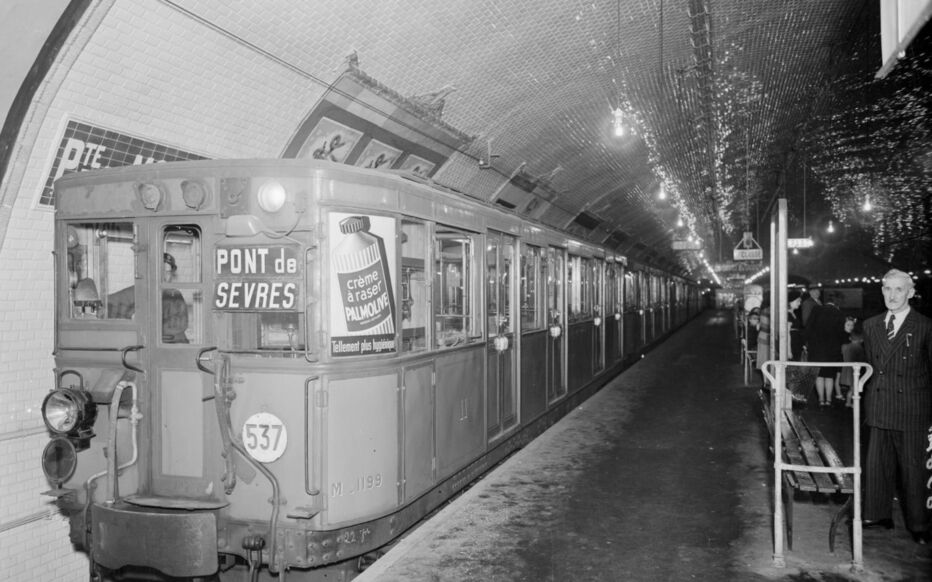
(618, 123)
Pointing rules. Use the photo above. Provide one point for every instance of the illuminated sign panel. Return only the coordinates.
(799, 243)
(685, 245)
(749, 254)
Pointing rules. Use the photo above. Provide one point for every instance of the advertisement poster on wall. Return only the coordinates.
(362, 259)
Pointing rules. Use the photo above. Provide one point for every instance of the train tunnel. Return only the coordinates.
(666, 134)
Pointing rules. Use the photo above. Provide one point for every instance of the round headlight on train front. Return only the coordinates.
(59, 460)
(67, 411)
(271, 197)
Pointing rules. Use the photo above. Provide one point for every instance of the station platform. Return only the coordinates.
(663, 475)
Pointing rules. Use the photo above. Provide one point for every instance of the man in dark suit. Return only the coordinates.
(898, 405)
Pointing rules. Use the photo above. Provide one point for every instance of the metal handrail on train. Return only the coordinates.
(778, 381)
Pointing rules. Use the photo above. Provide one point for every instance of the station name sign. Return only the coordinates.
(749, 254)
(799, 243)
(748, 249)
(686, 245)
(257, 278)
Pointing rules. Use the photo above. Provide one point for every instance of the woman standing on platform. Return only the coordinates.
(825, 334)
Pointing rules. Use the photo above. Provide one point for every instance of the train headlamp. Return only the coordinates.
(59, 460)
(69, 412)
(271, 197)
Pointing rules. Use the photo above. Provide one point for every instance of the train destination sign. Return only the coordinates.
(257, 278)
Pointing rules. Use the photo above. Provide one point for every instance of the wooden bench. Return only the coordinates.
(805, 445)
(748, 360)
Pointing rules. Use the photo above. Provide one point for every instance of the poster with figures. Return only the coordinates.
(378, 155)
(362, 259)
(330, 140)
(418, 165)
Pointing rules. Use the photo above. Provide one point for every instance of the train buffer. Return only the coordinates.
(805, 445)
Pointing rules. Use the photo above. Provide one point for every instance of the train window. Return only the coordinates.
(258, 303)
(554, 265)
(631, 290)
(456, 290)
(182, 305)
(532, 299)
(101, 270)
(596, 270)
(499, 262)
(574, 287)
(581, 283)
(414, 314)
(644, 291)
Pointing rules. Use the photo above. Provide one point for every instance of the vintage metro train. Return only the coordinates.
(271, 368)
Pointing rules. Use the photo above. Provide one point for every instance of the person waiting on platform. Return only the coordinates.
(825, 334)
(794, 331)
(810, 302)
(174, 309)
(853, 351)
(898, 405)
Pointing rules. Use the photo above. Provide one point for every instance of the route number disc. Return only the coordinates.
(264, 437)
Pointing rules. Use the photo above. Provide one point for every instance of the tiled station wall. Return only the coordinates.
(116, 72)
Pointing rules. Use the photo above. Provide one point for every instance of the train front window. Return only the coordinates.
(182, 303)
(101, 270)
(258, 298)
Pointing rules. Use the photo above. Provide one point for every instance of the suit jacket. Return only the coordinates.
(899, 394)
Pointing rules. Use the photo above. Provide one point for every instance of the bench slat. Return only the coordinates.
(843, 481)
(810, 452)
(791, 452)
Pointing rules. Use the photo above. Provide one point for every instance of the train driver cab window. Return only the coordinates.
(414, 313)
(181, 308)
(456, 289)
(101, 270)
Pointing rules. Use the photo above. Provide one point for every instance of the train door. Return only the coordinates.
(534, 331)
(185, 449)
(501, 385)
(612, 312)
(555, 355)
(598, 304)
(632, 315)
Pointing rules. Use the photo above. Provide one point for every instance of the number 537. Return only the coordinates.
(262, 436)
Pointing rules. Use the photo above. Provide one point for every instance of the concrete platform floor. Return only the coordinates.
(663, 475)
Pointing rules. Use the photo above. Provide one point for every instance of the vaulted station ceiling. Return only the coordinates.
(727, 105)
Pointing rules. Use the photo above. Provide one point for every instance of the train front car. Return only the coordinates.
(194, 420)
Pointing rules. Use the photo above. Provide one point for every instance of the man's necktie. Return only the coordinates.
(890, 327)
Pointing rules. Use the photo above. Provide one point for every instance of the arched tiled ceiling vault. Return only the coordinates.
(730, 104)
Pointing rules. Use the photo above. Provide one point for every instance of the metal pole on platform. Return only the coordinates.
(778, 315)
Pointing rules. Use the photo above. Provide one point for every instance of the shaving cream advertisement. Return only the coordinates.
(362, 259)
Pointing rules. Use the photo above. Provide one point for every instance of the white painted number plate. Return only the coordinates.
(264, 437)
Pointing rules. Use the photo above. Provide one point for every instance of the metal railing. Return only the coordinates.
(775, 372)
